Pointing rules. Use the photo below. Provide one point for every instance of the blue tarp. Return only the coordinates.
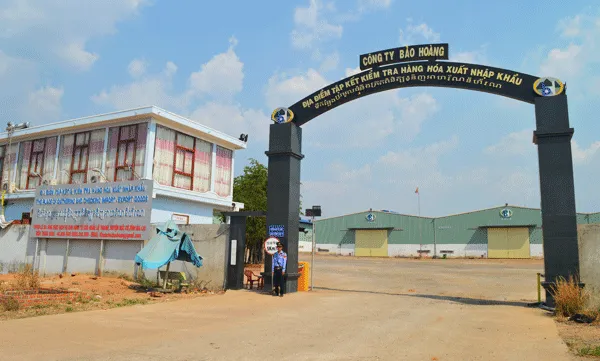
(169, 244)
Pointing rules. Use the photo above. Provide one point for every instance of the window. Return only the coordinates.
(80, 158)
(79, 155)
(183, 161)
(126, 149)
(36, 164)
(223, 176)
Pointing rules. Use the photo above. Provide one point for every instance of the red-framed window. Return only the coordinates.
(126, 148)
(80, 157)
(183, 161)
(36, 163)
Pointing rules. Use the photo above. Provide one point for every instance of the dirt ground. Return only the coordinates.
(361, 309)
(109, 291)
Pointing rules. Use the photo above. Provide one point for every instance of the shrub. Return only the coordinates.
(9, 304)
(145, 283)
(589, 351)
(27, 278)
(568, 297)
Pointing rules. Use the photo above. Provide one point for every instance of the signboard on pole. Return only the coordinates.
(271, 245)
(115, 210)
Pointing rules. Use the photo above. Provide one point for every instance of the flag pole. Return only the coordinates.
(420, 226)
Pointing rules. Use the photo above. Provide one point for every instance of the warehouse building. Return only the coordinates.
(500, 232)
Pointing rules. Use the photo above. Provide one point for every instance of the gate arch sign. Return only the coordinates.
(426, 65)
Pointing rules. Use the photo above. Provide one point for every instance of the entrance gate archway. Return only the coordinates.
(420, 65)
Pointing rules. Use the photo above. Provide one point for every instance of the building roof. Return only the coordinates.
(450, 215)
(162, 116)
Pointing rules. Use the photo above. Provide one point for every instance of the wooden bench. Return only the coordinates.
(174, 278)
(250, 277)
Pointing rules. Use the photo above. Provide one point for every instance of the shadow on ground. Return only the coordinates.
(463, 300)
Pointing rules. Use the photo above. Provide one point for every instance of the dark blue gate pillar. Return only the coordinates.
(283, 196)
(557, 190)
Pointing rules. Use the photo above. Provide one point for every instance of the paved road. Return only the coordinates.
(381, 310)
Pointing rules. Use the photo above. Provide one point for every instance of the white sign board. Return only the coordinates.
(233, 252)
(271, 245)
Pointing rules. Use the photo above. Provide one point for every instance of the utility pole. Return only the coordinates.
(312, 262)
(313, 212)
(420, 225)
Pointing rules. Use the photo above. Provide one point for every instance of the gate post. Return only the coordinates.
(283, 196)
(235, 262)
(557, 190)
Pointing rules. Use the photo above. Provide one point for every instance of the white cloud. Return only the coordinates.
(521, 144)
(413, 33)
(584, 156)
(563, 63)
(352, 71)
(137, 68)
(311, 27)
(570, 26)
(472, 57)
(330, 62)
(60, 31)
(54, 35)
(154, 89)
(223, 75)
(421, 158)
(514, 144)
(283, 91)
(374, 4)
(383, 114)
(574, 61)
(44, 104)
(234, 119)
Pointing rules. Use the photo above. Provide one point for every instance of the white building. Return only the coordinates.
(191, 164)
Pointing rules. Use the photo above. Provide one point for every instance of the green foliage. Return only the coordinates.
(250, 188)
(589, 351)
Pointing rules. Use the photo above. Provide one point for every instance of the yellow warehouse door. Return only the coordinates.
(508, 243)
(371, 243)
(518, 243)
(497, 243)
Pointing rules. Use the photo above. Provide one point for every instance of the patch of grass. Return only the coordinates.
(83, 300)
(69, 309)
(10, 304)
(569, 298)
(145, 283)
(589, 351)
(131, 302)
(125, 277)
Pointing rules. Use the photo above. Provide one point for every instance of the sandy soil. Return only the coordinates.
(361, 309)
(104, 292)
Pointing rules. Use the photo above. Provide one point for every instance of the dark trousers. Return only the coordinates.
(278, 280)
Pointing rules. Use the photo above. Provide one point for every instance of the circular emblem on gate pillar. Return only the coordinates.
(370, 217)
(282, 115)
(506, 213)
(548, 86)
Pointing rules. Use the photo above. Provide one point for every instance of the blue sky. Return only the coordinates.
(228, 64)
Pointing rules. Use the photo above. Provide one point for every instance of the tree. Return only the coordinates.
(250, 188)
